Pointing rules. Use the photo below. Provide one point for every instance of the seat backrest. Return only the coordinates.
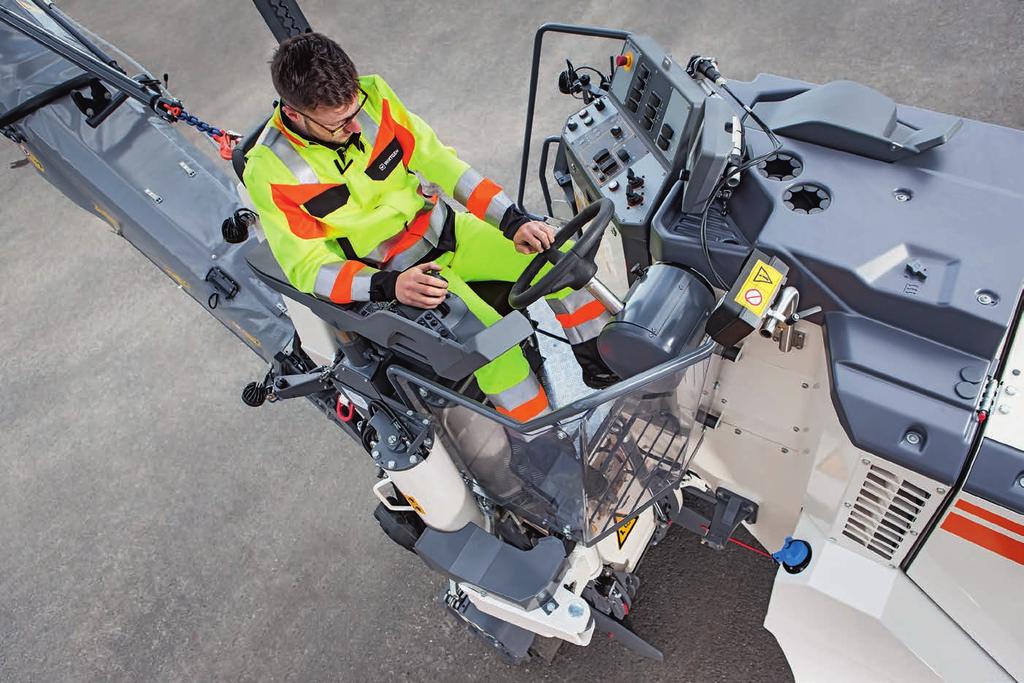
(247, 143)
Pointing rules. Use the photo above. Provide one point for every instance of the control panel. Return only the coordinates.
(631, 144)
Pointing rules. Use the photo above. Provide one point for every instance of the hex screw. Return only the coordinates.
(738, 431)
(985, 299)
(785, 450)
(902, 195)
(804, 385)
(392, 440)
(796, 429)
(1010, 391)
(847, 505)
(375, 453)
(549, 607)
(941, 489)
(413, 460)
(865, 461)
(391, 464)
(1020, 482)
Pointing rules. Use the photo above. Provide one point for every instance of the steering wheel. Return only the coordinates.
(573, 268)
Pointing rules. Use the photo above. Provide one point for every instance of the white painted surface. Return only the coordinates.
(848, 618)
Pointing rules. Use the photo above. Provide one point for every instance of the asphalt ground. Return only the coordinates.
(154, 528)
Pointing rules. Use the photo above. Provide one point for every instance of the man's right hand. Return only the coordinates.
(415, 288)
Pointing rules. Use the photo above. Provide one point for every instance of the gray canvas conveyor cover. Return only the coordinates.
(107, 171)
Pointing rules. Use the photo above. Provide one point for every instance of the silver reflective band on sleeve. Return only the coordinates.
(467, 182)
(325, 278)
(518, 394)
(361, 286)
(280, 146)
(497, 208)
(328, 275)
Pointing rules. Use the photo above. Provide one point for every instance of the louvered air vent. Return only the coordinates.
(886, 508)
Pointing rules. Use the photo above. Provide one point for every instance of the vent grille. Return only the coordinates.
(885, 510)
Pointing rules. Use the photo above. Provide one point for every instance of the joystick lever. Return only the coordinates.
(633, 180)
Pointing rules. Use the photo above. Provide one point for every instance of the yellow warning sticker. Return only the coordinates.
(622, 533)
(414, 504)
(759, 288)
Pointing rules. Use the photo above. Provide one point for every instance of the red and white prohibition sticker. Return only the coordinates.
(753, 297)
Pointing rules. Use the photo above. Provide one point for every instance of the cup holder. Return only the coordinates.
(806, 198)
(780, 166)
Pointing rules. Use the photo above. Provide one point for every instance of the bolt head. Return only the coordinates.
(941, 489)
(804, 385)
(913, 438)
(1010, 391)
(413, 459)
(1020, 482)
(391, 464)
(831, 539)
(847, 505)
(865, 461)
(375, 453)
(549, 607)
(392, 439)
(1004, 409)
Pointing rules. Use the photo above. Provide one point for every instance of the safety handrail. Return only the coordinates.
(538, 40)
(582, 405)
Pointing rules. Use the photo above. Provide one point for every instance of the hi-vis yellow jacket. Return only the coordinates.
(344, 222)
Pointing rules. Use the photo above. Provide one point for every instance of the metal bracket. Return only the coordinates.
(731, 510)
(307, 384)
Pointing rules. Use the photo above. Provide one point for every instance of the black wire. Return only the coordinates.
(776, 146)
(553, 336)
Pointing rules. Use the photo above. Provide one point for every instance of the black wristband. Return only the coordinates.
(512, 221)
(382, 285)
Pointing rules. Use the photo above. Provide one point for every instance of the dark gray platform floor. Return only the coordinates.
(153, 528)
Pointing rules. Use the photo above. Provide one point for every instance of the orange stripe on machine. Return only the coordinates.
(983, 536)
(990, 516)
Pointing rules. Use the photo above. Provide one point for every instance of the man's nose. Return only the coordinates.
(354, 127)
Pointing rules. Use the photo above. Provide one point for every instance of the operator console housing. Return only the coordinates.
(630, 145)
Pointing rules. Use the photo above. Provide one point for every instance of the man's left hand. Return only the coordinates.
(533, 237)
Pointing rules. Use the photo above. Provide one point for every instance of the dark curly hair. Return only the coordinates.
(311, 70)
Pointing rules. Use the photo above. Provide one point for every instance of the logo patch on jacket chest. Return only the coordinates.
(387, 161)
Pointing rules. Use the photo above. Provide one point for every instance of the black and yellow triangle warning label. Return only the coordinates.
(762, 276)
(622, 533)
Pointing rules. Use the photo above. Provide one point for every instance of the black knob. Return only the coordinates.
(572, 125)
(599, 105)
(634, 198)
(254, 394)
(633, 180)
(616, 131)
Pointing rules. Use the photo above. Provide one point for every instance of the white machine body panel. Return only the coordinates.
(972, 566)
(849, 618)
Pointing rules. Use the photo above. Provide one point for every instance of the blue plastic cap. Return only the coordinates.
(793, 553)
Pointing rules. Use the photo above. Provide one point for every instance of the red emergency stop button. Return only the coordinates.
(625, 60)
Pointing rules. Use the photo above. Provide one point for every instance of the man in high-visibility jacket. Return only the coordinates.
(339, 178)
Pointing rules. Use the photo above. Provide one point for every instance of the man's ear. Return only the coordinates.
(292, 115)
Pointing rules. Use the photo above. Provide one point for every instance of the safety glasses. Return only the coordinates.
(332, 130)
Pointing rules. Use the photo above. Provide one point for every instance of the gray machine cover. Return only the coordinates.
(108, 170)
